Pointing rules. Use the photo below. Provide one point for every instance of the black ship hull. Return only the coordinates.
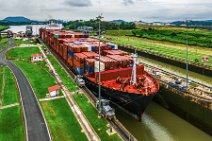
(133, 103)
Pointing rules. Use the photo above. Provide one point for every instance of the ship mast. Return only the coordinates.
(134, 73)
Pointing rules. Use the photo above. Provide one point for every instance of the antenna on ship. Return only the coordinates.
(134, 81)
(134, 71)
(99, 80)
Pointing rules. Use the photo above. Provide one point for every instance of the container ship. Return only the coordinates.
(122, 81)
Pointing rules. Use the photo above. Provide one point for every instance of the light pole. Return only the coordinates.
(187, 54)
(99, 80)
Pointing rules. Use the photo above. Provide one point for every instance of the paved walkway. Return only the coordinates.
(8, 106)
(27, 45)
(90, 132)
(36, 127)
(51, 98)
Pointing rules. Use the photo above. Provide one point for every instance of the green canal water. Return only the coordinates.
(158, 124)
(207, 80)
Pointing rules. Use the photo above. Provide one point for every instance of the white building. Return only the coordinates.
(54, 90)
(37, 57)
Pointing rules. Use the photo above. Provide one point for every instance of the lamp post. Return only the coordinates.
(99, 80)
(187, 54)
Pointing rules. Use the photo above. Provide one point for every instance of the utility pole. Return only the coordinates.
(187, 54)
(99, 80)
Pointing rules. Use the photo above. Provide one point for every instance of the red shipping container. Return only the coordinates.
(109, 63)
(122, 61)
(65, 52)
(90, 54)
(114, 52)
(79, 56)
(79, 60)
(79, 64)
(70, 61)
(89, 62)
(113, 74)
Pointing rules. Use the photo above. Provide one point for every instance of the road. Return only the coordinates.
(36, 128)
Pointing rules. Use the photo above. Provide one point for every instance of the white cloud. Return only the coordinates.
(147, 10)
(78, 3)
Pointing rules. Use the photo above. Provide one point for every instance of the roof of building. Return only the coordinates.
(36, 55)
(205, 57)
(53, 88)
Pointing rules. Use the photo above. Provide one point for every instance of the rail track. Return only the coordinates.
(173, 75)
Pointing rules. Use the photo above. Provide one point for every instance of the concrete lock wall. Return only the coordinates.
(183, 107)
(194, 68)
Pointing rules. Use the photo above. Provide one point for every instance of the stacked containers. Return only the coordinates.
(95, 46)
(89, 61)
(90, 54)
(79, 62)
(121, 61)
(60, 45)
(70, 54)
(108, 62)
(114, 52)
(89, 65)
(123, 72)
(65, 52)
(70, 60)
(96, 66)
(72, 48)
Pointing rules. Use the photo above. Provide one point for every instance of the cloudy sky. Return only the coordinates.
(131, 10)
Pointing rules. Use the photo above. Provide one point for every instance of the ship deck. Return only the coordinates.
(149, 85)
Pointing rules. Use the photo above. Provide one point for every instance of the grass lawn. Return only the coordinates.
(11, 124)
(2, 27)
(3, 40)
(3, 43)
(22, 53)
(62, 122)
(10, 90)
(19, 42)
(63, 75)
(168, 50)
(99, 125)
(37, 73)
(1, 80)
(118, 32)
(11, 119)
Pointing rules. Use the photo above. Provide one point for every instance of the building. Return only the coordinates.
(205, 58)
(54, 90)
(85, 28)
(37, 57)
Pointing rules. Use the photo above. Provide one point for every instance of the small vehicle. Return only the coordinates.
(79, 81)
(105, 109)
(178, 81)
